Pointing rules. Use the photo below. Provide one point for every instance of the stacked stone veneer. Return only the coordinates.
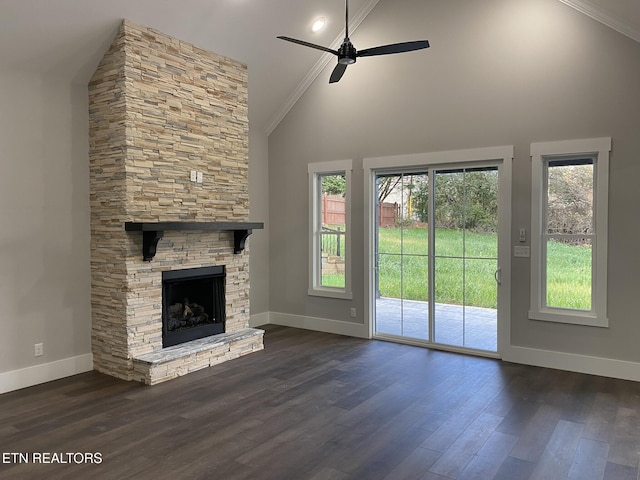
(158, 109)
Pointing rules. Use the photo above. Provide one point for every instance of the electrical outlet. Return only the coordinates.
(38, 349)
(521, 251)
(199, 177)
(353, 312)
(194, 175)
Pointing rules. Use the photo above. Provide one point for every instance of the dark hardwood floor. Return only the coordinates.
(318, 406)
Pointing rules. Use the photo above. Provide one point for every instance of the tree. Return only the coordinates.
(386, 185)
(334, 185)
(464, 199)
(570, 199)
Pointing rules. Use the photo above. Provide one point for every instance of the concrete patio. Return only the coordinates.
(460, 326)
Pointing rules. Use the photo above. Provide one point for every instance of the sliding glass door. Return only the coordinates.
(436, 256)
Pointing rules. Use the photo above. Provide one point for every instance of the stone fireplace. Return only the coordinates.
(160, 109)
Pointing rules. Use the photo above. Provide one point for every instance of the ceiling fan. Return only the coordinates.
(347, 53)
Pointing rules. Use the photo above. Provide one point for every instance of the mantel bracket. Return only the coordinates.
(150, 239)
(239, 239)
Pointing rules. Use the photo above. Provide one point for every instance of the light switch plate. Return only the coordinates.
(199, 177)
(521, 251)
(523, 235)
(193, 175)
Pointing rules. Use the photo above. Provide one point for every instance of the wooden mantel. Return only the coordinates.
(152, 232)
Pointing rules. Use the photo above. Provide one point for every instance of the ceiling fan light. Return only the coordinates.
(318, 24)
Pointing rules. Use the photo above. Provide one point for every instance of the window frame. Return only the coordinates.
(315, 171)
(597, 150)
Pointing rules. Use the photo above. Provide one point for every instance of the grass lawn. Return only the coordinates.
(568, 276)
(403, 269)
(403, 266)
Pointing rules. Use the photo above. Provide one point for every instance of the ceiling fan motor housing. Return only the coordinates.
(347, 53)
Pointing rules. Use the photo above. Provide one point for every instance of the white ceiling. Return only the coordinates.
(66, 38)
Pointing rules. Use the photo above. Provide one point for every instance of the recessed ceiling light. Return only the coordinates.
(318, 24)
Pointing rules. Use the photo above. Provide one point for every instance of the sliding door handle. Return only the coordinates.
(498, 276)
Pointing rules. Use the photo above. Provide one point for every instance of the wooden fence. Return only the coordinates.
(333, 212)
(388, 214)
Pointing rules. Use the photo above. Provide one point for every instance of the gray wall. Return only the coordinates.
(259, 212)
(44, 218)
(498, 72)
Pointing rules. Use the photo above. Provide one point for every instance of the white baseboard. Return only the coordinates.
(605, 367)
(259, 319)
(46, 372)
(319, 324)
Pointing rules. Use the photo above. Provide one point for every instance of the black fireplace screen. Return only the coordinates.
(193, 304)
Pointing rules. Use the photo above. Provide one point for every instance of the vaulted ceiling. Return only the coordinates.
(66, 38)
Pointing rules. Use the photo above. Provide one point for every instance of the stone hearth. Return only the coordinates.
(160, 108)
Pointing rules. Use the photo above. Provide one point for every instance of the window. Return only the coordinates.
(329, 229)
(569, 231)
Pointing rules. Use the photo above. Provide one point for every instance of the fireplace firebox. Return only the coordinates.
(193, 304)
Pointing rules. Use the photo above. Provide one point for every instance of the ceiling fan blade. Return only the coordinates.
(307, 44)
(337, 73)
(394, 48)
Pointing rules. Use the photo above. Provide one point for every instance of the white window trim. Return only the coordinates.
(599, 149)
(315, 287)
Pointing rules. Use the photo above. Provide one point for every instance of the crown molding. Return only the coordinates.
(598, 13)
(324, 60)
